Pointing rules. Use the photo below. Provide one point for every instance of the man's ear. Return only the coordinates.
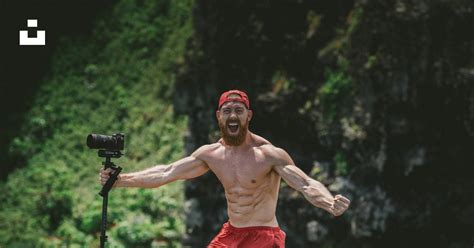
(218, 114)
(250, 114)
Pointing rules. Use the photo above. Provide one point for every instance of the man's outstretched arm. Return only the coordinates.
(314, 191)
(156, 176)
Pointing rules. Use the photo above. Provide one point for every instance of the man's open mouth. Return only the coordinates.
(233, 127)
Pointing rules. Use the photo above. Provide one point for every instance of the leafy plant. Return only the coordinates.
(119, 78)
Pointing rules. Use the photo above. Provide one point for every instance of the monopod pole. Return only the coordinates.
(105, 197)
(103, 227)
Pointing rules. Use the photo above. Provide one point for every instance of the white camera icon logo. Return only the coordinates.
(39, 40)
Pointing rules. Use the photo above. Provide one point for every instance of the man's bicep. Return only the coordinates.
(187, 168)
(293, 176)
(286, 168)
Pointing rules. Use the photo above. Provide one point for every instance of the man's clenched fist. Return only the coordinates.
(340, 205)
(104, 175)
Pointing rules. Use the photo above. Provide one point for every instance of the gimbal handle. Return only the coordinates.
(113, 176)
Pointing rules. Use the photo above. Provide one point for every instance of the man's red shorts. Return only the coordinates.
(248, 237)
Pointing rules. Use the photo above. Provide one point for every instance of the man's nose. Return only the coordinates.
(232, 113)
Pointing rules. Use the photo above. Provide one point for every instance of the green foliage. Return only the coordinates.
(137, 230)
(338, 83)
(371, 61)
(342, 41)
(119, 78)
(354, 20)
(341, 164)
(282, 82)
(336, 89)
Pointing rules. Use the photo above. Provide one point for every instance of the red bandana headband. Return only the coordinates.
(243, 98)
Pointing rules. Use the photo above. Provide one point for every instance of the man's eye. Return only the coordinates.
(226, 111)
(239, 111)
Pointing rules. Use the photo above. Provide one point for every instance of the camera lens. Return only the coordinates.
(99, 141)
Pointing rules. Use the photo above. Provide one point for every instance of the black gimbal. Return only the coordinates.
(110, 147)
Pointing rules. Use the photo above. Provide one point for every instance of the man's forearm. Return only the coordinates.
(149, 178)
(318, 195)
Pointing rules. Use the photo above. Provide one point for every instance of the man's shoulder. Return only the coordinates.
(273, 152)
(259, 141)
(206, 149)
(266, 147)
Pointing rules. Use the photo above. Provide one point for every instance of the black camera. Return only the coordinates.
(112, 143)
(109, 147)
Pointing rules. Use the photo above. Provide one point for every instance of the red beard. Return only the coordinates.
(234, 139)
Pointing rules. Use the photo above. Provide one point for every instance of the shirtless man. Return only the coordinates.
(249, 167)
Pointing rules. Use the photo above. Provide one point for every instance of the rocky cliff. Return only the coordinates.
(373, 98)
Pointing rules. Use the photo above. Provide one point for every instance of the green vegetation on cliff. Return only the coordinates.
(372, 98)
(117, 78)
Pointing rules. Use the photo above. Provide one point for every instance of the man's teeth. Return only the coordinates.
(233, 124)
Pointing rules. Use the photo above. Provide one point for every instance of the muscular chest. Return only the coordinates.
(248, 169)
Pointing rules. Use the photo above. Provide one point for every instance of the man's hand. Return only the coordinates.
(340, 205)
(105, 174)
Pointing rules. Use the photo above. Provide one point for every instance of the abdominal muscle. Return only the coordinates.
(252, 206)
